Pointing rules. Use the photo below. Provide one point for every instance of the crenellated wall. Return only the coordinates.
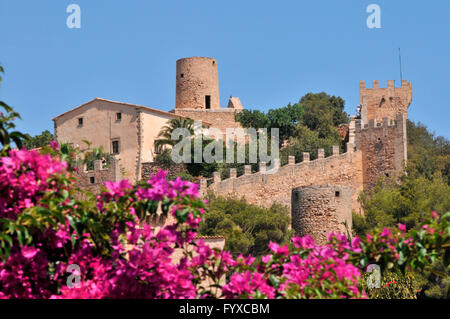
(383, 146)
(267, 187)
(378, 103)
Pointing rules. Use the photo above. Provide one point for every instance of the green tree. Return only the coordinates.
(8, 138)
(323, 113)
(428, 154)
(285, 119)
(165, 135)
(36, 141)
(307, 140)
(248, 229)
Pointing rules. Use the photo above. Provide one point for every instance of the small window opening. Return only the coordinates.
(118, 116)
(92, 179)
(214, 62)
(386, 174)
(182, 75)
(208, 101)
(158, 149)
(337, 194)
(382, 101)
(80, 121)
(115, 147)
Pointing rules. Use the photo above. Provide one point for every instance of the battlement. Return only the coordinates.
(378, 103)
(277, 165)
(390, 84)
(274, 184)
(385, 123)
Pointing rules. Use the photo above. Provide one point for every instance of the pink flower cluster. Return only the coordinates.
(23, 179)
(147, 272)
(302, 272)
(136, 262)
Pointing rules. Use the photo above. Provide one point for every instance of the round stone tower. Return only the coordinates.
(197, 84)
(319, 210)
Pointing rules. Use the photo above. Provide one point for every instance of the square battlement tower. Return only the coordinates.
(378, 103)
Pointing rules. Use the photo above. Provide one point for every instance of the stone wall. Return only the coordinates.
(219, 118)
(151, 168)
(383, 146)
(319, 210)
(263, 188)
(100, 128)
(94, 180)
(378, 103)
(197, 77)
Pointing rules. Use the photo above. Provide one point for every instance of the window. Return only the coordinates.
(182, 75)
(158, 149)
(80, 121)
(115, 147)
(92, 179)
(118, 116)
(336, 194)
(208, 101)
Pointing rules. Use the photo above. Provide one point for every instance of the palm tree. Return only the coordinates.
(165, 135)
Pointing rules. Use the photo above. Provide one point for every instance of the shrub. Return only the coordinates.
(248, 229)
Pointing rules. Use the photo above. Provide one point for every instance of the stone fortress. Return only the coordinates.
(321, 193)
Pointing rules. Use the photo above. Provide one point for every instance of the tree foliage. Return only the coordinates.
(165, 135)
(285, 119)
(248, 229)
(8, 136)
(307, 140)
(37, 141)
(408, 199)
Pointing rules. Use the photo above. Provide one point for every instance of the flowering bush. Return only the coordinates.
(44, 231)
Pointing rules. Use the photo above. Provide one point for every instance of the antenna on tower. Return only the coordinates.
(400, 60)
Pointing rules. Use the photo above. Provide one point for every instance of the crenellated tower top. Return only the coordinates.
(378, 103)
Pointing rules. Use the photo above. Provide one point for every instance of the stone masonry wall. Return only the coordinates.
(219, 118)
(149, 169)
(319, 210)
(378, 103)
(383, 147)
(197, 77)
(99, 175)
(264, 189)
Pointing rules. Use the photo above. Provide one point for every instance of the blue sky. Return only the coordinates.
(269, 53)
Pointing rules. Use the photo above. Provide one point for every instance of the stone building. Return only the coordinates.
(378, 103)
(376, 146)
(127, 131)
(197, 94)
(319, 210)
